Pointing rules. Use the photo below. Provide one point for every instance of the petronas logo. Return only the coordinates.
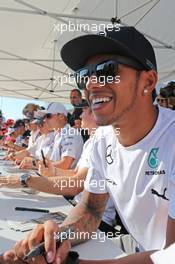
(153, 161)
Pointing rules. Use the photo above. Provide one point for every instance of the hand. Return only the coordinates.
(26, 163)
(9, 258)
(43, 232)
(50, 171)
(10, 181)
(10, 156)
(9, 144)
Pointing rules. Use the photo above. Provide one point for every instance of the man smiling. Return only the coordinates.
(134, 162)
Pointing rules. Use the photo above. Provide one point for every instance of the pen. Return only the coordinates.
(31, 209)
(40, 249)
(44, 160)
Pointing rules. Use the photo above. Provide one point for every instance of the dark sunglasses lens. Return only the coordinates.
(81, 78)
(106, 69)
(48, 115)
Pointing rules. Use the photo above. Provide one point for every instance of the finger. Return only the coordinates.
(9, 255)
(62, 252)
(36, 236)
(50, 245)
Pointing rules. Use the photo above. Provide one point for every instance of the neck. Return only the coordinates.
(137, 126)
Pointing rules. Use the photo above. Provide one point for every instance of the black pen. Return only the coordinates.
(31, 209)
(44, 160)
(40, 249)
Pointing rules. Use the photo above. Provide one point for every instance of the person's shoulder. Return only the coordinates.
(167, 117)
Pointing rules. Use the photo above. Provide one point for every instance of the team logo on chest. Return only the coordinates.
(153, 161)
(109, 156)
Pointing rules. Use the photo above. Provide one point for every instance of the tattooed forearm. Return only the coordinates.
(86, 216)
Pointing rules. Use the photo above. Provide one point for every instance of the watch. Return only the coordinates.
(72, 258)
(24, 178)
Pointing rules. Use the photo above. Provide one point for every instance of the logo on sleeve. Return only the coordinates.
(108, 156)
(153, 161)
(160, 195)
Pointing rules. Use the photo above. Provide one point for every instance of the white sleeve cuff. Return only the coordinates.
(165, 256)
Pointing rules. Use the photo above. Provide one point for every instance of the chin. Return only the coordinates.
(102, 122)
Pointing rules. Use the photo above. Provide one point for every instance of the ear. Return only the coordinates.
(149, 82)
(61, 115)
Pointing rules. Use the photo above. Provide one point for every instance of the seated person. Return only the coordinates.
(18, 130)
(66, 182)
(68, 143)
(43, 143)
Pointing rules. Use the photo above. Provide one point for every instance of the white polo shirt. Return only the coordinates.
(68, 142)
(43, 142)
(33, 137)
(140, 179)
(109, 213)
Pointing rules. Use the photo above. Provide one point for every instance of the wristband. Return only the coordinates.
(72, 258)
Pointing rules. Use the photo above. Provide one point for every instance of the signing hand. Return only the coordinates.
(48, 171)
(42, 232)
(26, 163)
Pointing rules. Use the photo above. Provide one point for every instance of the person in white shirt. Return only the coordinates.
(29, 111)
(135, 157)
(43, 142)
(66, 182)
(68, 143)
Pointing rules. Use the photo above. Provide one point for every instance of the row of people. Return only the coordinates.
(137, 164)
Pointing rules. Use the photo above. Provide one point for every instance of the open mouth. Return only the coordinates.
(97, 103)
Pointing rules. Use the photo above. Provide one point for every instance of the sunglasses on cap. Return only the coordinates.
(49, 115)
(162, 100)
(105, 71)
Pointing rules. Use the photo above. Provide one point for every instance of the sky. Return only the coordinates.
(12, 108)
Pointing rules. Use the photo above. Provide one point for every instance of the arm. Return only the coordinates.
(52, 171)
(64, 185)
(87, 214)
(13, 146)
(19, 155)
(65, 163)
(86, 217)
(56, 185)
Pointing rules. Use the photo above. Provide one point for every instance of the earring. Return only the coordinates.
(145, 91)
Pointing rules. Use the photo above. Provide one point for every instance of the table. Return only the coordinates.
(10, 198)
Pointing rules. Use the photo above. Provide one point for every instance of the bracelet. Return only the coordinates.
(72, 258)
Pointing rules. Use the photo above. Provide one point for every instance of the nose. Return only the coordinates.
(92, 83)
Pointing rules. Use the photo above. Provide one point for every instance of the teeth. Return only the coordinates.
(101, 100)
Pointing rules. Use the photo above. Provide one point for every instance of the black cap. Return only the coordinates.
(124, 41)
(18, 123)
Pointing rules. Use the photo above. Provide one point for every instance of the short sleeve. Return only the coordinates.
(72, 146)
(172, 197)
(95, 181)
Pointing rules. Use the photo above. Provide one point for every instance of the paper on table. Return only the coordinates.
(28, 225)
(14, 169)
